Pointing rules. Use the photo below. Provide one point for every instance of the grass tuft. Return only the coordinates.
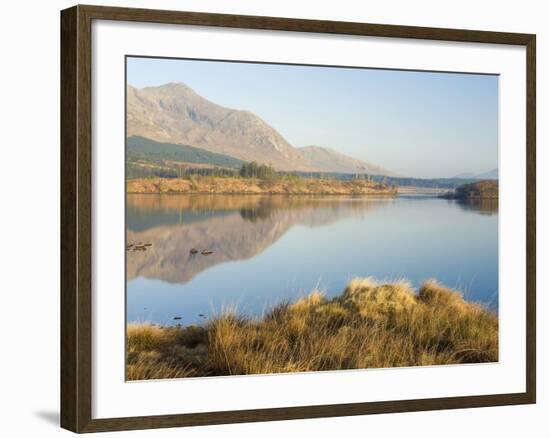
(371, 325)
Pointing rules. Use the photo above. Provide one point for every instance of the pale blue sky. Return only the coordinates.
(418, 124)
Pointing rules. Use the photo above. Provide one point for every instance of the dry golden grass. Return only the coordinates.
(281, 186)
(371, 325)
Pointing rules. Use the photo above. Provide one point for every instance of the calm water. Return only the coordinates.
(270, 249)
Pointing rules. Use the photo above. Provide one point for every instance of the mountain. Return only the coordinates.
(491, 174)
(465, 175)
(329, 160)
(175, 114)
(139, 148)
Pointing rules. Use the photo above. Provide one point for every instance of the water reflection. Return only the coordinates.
(268, 249)
(232, 227)
(481, 206)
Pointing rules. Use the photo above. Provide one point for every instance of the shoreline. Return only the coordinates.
(370, 325)
(255, 186)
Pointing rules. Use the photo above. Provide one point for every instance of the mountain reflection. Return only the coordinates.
(233, 227)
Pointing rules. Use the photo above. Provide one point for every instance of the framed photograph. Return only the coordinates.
(270, 218)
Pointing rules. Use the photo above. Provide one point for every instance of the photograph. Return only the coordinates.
(285, 218)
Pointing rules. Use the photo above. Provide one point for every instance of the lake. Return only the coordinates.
(268, 249)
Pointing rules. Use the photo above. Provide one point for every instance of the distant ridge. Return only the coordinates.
(329, 160)
(175, 114)
(491, 174)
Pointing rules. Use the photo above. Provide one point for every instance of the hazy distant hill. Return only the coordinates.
(329, 160)
(491, 174)
(175, 114)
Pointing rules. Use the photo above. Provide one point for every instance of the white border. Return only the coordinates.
(112, 397)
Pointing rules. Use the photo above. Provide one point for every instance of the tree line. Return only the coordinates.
(255, 170)
(247, 170)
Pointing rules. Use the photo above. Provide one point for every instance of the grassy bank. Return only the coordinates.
(284, 185)
(371, 325)
(477, 190)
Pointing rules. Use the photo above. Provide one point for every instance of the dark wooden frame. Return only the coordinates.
(76, 243)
